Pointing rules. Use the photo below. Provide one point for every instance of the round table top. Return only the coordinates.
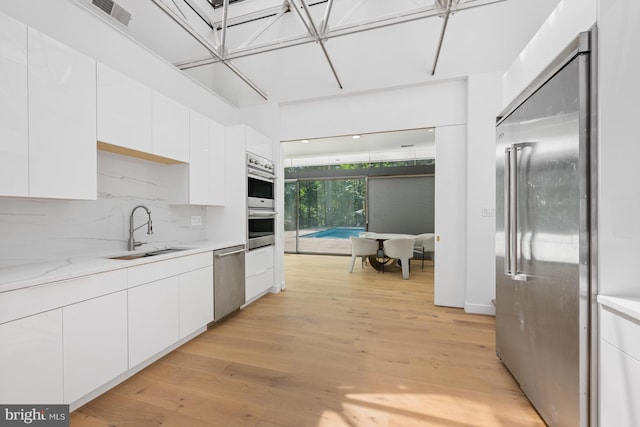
(385, 236)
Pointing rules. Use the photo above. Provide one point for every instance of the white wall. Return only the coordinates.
(441, 104)
(450, 216)
(36, 230)
(81, 30)
(484, 99)
(569, 18)
(619, 110)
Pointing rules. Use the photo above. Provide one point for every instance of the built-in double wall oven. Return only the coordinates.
(261, 214)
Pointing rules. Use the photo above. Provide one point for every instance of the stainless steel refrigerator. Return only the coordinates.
(543, 232)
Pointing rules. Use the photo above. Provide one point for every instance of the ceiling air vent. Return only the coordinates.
(114, 10)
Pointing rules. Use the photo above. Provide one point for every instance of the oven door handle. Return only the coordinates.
(260, 175)
(262, 214)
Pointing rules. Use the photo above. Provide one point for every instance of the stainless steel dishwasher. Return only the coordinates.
(228, 281)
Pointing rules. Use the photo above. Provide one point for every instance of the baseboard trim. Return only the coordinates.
(487, 309)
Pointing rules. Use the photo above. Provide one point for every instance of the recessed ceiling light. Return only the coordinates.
(305, 141)
(406, 145)
(355, 136)
(431, 130)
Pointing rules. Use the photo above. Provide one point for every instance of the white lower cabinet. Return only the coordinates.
(31, 359)
(258, 272)
(95, 343)
(62, 341)
(154, 318)
(196, 300)
(619, 371)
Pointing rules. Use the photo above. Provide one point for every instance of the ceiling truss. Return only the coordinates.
(221, 53)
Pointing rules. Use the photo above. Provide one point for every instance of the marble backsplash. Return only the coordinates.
(37, 230)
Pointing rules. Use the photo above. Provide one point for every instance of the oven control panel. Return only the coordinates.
(256, 162)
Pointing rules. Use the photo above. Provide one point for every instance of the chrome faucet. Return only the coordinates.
(132, 242)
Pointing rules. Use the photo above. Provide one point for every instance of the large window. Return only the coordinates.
(321, 214)
(324, 205)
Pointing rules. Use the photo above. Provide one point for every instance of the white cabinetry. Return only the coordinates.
(619, 361)
(619, 109)
(31, 359)
(156, 310)
(134, 117)
(170, 129)
(62, 120)
(124, 111)
(196, 300)
(258, 144)
(47, 116)
(259, 273)
(14, 142)
(203, 180)
(95, 343)
(153, 319)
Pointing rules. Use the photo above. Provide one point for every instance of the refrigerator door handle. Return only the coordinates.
(511, 157)
(507, 211)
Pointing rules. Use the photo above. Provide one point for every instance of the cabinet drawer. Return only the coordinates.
(619, 387)
(258, 284)
(259, 260)
(36, 299)
(153, 271)
(620, 331)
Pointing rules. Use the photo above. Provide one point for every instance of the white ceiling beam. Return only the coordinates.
(341, 30)
(325, 21)
(202, 8)
(316, 35)
(223, 38)
(266, 26)
(207, 45)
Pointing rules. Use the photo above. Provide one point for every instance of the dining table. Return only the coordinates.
(382, 263)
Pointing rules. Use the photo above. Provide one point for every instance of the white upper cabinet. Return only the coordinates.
(14, 148)
(62, 120)
(124, 111)
(258, 144)
(217, 166)
(170, 130)
(47, 116)
(203, 181)
(133, 116)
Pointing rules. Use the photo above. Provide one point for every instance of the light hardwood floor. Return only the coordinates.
(334, 349)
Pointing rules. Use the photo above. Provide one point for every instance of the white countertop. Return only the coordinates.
(627, 306)
(23, 276)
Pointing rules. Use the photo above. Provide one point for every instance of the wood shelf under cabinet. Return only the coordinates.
(105, 146)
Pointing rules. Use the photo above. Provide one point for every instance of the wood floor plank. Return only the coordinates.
(333, 350)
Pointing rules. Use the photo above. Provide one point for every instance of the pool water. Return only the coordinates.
(336, 233)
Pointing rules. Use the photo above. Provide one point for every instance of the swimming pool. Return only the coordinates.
(336, 233)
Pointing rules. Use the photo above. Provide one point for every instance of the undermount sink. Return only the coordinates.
(149, 254)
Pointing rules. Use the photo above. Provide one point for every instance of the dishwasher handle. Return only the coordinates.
(229, 253)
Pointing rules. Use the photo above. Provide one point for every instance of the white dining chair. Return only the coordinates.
(361, 247)
(424, 243)
(401, 249)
